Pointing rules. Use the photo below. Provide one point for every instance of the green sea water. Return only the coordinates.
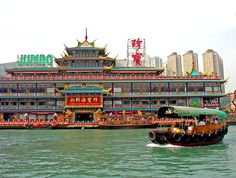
(109, 153)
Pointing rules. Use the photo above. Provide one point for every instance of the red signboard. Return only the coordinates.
(83, 101)
(137, 50)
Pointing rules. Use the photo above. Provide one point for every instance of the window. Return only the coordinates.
(117, 103)
(181, 102)
(32, 90)
(172, 102)
(154, 102)
(107, 103)
(162, 102)
(195, 87)
(3, 90)
(160, 87)
(126, 102)
(177, 87)
(141, 87)
(13, 90)
(41, 103)
(13, 103)
(146, 102)
(22, 90)
(208, 89)
(23, 103)
(135, 102)
(41, 90)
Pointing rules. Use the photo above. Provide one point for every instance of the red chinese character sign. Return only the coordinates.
(136, 43)
(136, 52)
(84, 101)
(137, 58)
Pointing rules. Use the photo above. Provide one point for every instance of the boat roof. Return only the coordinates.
(182, 111)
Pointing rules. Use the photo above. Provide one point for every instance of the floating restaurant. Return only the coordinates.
(86, 80)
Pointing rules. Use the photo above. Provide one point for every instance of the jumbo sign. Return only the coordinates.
(35, 60)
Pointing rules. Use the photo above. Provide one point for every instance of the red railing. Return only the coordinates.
(42, 123)
(105, 77)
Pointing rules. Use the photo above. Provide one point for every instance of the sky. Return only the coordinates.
(44, 26)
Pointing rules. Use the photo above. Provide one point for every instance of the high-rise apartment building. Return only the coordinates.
(188, 59)
(212, 63)
(153, 62)
(174, 65)
(121, 63)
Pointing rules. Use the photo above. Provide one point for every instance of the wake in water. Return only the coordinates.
(152, 145)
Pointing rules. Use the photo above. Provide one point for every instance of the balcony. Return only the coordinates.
(105, 77)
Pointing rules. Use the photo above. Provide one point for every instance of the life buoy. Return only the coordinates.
(195, 137)
(209, 135)
(177, 137)
(161, 139)
(185, 138)
(204, 137)
(202, 134)
(152, 135)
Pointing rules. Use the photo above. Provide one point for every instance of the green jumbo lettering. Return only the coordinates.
(35, 60)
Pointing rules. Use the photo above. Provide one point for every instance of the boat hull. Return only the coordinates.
(184, 139)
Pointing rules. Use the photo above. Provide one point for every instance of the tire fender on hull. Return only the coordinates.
(177, 137)
(152, 135)
(161, 139)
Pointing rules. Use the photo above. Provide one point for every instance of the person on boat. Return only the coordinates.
(216, 121)
(26, 117)
(185, 126)
(202, 122)
(55, 117)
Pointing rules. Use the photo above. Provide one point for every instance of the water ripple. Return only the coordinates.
(109, 153)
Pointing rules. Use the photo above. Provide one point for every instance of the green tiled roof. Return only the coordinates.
(83, 90)
(136, 68)
(190, 111)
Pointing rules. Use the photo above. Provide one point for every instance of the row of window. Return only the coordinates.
(164, 89)
(127, 88)
(86, 54)
(32, 103)
(145, 103)
(153, 103)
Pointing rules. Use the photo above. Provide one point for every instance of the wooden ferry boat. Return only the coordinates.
(124, 121)
(209, 127)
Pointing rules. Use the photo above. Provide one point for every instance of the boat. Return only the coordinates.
(12, 125)
(127, 125)
(209, 126)
(124, 121)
